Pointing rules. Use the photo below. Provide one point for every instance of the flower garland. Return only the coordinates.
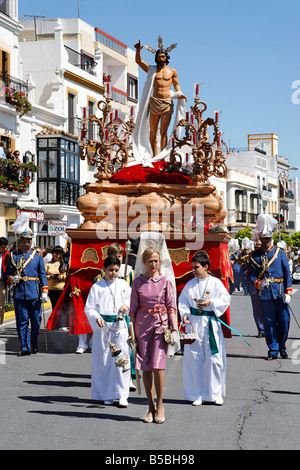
(161, 172)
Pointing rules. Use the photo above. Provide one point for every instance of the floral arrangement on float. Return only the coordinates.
(162, 172)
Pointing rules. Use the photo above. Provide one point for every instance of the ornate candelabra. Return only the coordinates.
(208, 157)
(112, 146)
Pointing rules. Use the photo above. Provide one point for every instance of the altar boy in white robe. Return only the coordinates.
(106, 308)
(201, 302)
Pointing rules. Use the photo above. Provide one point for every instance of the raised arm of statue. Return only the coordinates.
(138, 58)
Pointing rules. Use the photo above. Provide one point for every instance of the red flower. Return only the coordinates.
(139, 174)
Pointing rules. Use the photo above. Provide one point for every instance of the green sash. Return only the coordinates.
(212, 340)
(112, 318)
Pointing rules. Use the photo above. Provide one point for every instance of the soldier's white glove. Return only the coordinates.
(264, 283)
(44, 297)
(286, 298)
(15, 280)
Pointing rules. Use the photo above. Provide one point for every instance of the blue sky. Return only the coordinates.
(246, 54)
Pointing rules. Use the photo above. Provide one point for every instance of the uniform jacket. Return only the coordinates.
(277, 269)
(27, 289)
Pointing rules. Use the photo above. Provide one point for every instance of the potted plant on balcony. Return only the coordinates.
(3, 181)
(18, 100)
(30, 166)
(23, 184)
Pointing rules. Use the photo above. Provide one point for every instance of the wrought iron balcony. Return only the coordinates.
(74, 126)
(59, 192)
(15, 83)
(240, 216)
(82, 61)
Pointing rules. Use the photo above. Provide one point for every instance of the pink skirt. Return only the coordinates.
(151, 347)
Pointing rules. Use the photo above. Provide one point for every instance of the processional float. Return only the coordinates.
(127, 199)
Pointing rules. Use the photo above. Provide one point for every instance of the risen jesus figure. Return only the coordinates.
(160, 103)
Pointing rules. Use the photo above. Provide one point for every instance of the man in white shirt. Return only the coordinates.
(2, 149)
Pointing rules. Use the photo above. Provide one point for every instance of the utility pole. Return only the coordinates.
(34, 19)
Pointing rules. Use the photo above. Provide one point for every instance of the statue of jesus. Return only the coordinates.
(160, 103)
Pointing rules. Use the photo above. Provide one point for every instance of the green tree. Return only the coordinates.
(284, 237)
(243, 233)
(295, 239)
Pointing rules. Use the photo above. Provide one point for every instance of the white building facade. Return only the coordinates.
(66, 65)
(252, 182)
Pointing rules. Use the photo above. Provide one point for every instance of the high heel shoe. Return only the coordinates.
(160, 420)
(148, 419)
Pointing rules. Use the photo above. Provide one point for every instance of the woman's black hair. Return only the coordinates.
(57, 249)
(111, 260)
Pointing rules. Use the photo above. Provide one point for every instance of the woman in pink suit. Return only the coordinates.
(152, 308)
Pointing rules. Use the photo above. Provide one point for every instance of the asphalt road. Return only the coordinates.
(46, 402)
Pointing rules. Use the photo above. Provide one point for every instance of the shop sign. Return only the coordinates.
(56, 227)
(37, 216)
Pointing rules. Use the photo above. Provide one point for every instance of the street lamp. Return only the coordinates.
(282, 178)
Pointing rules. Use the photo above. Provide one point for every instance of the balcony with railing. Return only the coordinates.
(16, 93)
(286, 196)
(59, 192)
(290, 225)
(118, 95)
(81, 61)
(74, 125)
(111, 42)
(241, 216)
(15, 175)
(252, 218)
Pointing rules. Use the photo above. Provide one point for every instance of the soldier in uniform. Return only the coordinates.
(243, 261)
(26, 273)
(269, 273)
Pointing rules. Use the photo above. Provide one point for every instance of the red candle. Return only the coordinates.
(195, 139)
(197, 89)
(84, 113)
(187, 158)
(131, 111)
(173, 142)
(107, 88)
(116, 114)
(187, 116)
(109, 157)
(111, 117)
(219, 139)
(217, 116)
(192, 118)
(107, 134)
